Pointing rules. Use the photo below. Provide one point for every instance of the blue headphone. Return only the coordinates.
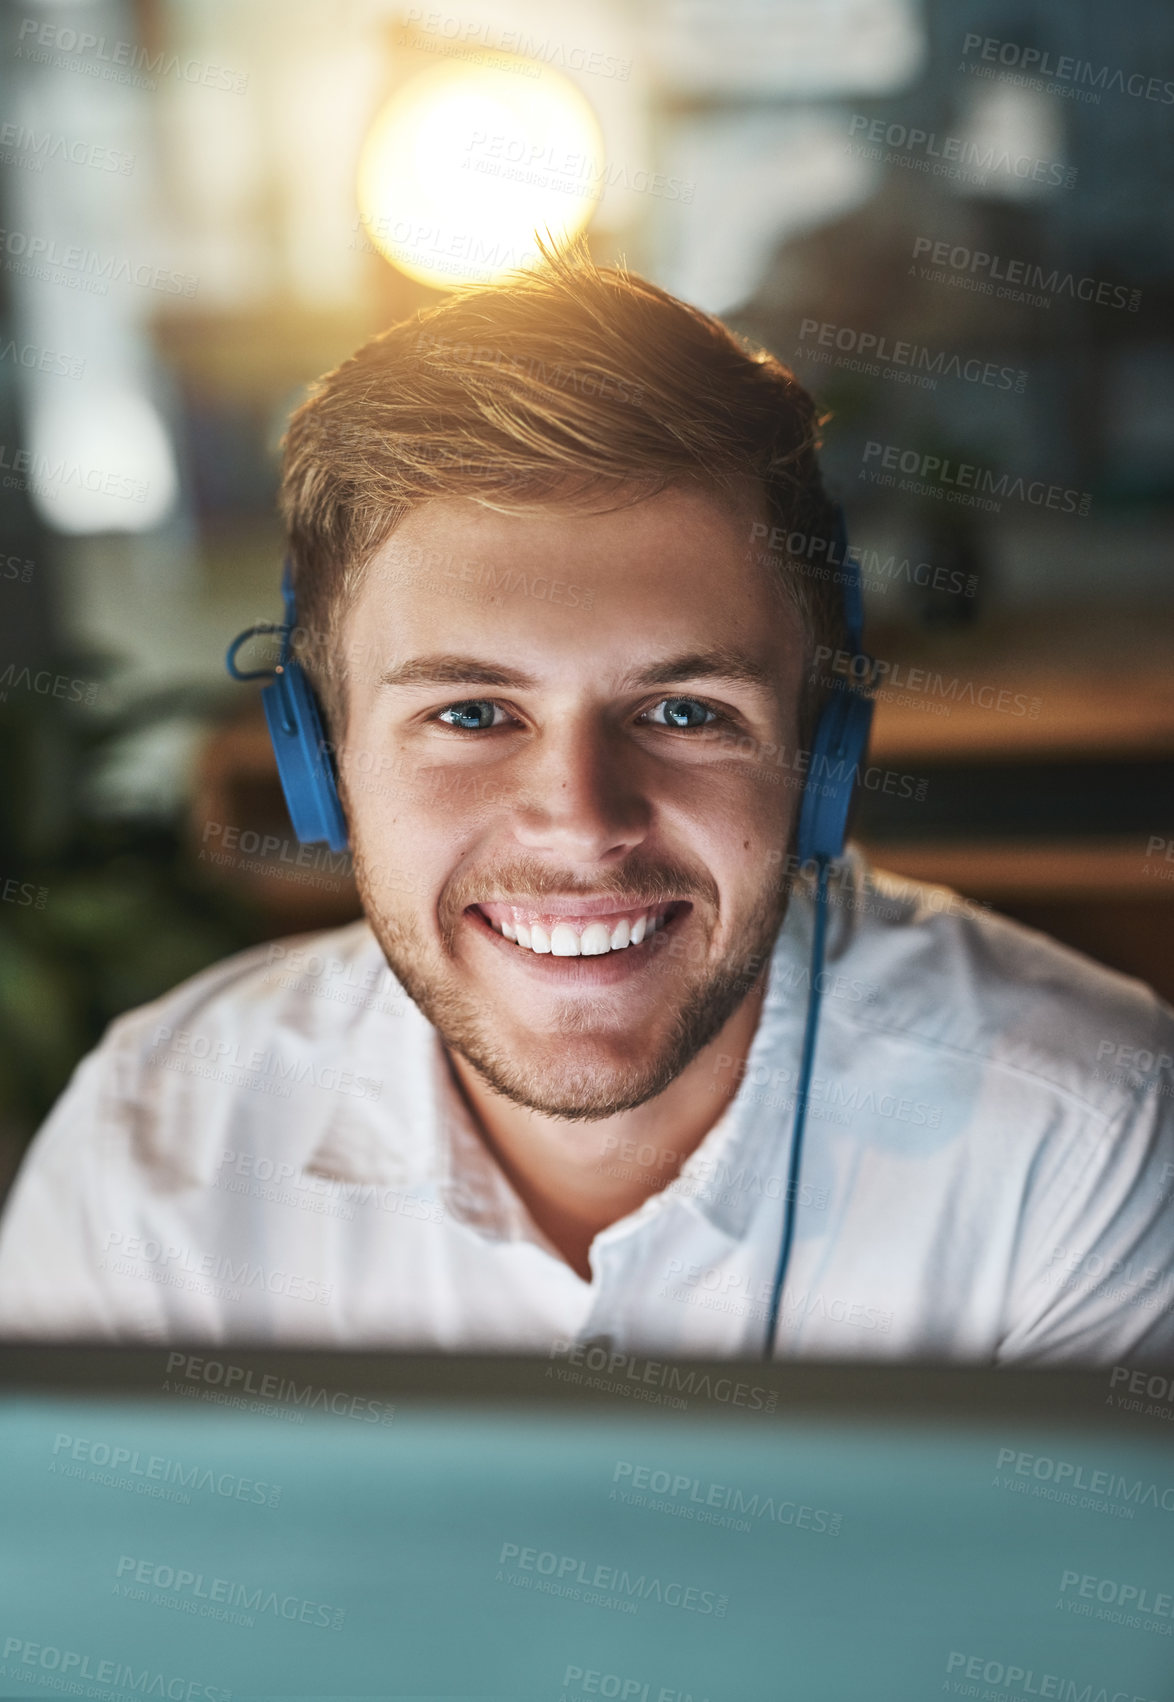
(306, 770)
(304, 763)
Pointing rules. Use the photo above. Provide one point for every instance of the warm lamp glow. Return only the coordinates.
(467, 161)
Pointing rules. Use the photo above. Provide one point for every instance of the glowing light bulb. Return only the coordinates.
(466, 161)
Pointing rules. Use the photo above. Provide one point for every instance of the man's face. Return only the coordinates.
(563, 732)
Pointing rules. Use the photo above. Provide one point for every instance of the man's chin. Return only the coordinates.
(586, 1075)
(576, 1078)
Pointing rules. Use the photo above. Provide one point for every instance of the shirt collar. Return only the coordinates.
(742, 1158)
(473, 1187)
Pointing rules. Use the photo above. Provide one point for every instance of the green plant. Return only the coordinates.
(101, 912)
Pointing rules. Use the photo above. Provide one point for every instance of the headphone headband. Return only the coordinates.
(289, 603)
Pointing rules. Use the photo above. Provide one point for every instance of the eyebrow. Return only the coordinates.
(719, 663)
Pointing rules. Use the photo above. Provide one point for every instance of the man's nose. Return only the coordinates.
(578, 795)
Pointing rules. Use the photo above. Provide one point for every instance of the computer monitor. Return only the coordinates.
(199, 1523)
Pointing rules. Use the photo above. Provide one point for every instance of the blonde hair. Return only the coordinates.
(560, 385)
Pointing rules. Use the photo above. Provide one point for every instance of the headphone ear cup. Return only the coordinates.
(837, 750)
(303, 761)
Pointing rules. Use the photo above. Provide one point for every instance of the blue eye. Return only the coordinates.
(471, 717)
(686, 713)
(683, 714)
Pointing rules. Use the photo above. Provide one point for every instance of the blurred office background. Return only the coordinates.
(183, 250)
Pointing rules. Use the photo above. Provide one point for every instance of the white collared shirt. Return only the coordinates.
(275, 1152)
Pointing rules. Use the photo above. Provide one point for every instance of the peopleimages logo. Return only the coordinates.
(285, 1070)
(112, 1675)
(1018, 280)
(964, 482)
(44, 682)
(1010, 1678)
(36, 359)
(1148, 1391)
(172, 1266)
(154, 1470)
(35, 256)
(808, 550)
(907, 362)
(570, 1574)
(646, 1379)
(493, 38)
(593, 1681)
(24, 894)
(1064, 68)
(270, 847)
(267, 1386)
(500, 154)
(118, 60)
(948, 156)
(682, 1496)
(26, 147)
(1132, 1599)
(894, 679)
(1071, 1478)
(29, 470)
(451, 252)
(197, 1592)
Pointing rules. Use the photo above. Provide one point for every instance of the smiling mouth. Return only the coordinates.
(590, 932)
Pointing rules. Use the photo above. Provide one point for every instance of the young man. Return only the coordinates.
(572, 700)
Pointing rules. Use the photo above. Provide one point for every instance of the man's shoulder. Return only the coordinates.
(289, 1035)
(954, 974)
(262, 1019)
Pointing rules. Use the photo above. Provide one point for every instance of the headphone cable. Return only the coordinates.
(818, 940)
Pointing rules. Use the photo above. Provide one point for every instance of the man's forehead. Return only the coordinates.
(666, 590)
(627, 515)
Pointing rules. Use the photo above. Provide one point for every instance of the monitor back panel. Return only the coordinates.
(333, 1527)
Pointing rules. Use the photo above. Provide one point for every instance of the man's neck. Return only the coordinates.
(577, 1178)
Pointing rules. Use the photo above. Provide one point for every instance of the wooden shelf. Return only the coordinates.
(1047, 870)
(1089, 719)
(1081, 688)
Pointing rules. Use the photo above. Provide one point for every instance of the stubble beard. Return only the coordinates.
(575, 1090)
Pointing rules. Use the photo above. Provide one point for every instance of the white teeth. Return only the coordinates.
(596, 939)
